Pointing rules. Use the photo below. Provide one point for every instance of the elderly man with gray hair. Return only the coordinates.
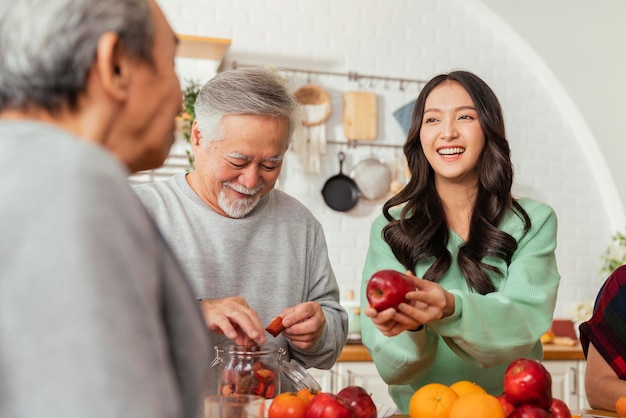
(97, 318)
(253, 253)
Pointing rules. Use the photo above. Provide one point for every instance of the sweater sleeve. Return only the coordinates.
(323, 288)
(400, 358)
(605, 328)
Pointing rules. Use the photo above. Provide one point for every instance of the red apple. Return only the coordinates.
(327, 405)
(361, 402)
(387, 289)
(527, 381)
(530, 411)
(507, 406)
(560, 409)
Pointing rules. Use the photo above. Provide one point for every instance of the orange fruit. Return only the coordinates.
(307, 394)
(465, 387)
(620, 406)
(475, 405)
(433, 400)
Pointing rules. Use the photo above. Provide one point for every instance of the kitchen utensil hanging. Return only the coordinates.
(340, 192)
(373, 178)
(315, 104)
(359, 115)
(397, 183)
(403, 116)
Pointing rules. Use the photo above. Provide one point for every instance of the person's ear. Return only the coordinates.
(196, 136)
(113, 66)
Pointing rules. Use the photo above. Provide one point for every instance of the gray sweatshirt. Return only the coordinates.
(276, 257)
(96, 317)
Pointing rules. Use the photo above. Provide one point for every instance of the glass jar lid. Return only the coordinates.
(298, 376)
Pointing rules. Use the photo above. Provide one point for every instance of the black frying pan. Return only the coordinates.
(340, 192)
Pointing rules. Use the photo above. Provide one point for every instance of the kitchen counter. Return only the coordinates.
(585, 412)
(358, 352)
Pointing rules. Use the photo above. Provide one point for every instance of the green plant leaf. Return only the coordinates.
(190, 93)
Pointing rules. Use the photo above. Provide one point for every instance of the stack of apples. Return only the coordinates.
(528, 392)
(349, 402)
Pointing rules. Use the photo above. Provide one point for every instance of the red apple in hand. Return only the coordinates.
(327, 405)
(527, 381)
(530, 411)
(387, 289)
(560, 409)
(361, 402)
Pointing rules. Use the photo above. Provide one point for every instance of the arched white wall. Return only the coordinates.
(577, 48)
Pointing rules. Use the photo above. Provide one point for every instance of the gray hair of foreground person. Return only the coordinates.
(251, 91)
(47, 64)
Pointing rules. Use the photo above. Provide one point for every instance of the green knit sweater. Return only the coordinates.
(486, 332)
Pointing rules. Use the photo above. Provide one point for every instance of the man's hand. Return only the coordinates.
(304, 324)
(234, 318)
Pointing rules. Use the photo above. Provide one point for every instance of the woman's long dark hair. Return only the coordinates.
(421, 232)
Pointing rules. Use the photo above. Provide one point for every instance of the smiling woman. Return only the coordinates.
(475, 251)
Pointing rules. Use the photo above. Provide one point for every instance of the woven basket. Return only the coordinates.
(312, 94)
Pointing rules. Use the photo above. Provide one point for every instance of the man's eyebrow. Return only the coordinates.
(241, 156)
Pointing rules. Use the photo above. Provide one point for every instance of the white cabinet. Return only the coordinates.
(568, 382)
(582, 398)
(326, 378)
(354, 373)
(364, 374)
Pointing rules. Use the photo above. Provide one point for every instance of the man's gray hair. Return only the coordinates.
(248, 90)
(48, 46)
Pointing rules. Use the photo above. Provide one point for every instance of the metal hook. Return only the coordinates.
(217, 360)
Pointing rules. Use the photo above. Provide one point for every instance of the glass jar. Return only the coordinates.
(251, 370)
(256, 370)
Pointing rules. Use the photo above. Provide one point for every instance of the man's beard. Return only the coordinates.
(239, 208)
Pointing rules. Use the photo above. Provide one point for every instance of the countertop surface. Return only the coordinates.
(358, 352)
(584, 413)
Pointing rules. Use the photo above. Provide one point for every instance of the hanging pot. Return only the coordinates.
(340, 192)
(373, 178)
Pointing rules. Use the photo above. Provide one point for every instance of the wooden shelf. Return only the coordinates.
(358, 352)
(201, 47)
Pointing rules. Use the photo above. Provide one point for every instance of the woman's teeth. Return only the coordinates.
(451, 151)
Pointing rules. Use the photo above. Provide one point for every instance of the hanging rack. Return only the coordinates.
(356, 143)
(351, 75)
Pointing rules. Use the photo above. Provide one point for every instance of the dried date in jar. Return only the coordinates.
(248, 370)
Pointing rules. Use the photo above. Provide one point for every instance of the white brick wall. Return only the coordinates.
(413, 39)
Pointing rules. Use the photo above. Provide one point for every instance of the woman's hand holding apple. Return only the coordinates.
(428, 302)
(396, 306)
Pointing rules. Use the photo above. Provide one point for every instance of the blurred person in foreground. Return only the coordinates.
(96, 316)
(485, 270)
(252, 252)
(603, 338)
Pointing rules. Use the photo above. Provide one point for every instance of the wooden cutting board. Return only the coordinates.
(359, 115)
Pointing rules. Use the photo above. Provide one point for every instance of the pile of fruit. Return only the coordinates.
(349, 402)
(527, 394)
